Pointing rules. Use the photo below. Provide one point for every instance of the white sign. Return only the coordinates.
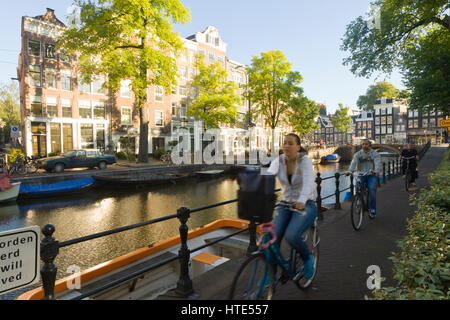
(15, 132)
(19, 258)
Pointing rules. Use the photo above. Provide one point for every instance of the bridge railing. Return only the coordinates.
(50, 246)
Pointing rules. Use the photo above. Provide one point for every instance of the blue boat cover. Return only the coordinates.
(68, 185)
(333, 156)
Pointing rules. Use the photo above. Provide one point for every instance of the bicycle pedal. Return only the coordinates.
(284, 278)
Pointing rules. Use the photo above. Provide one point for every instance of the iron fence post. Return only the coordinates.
(352, 187)
(252, 246)
(49, 251)
(389, 170)
(184, 284)
(319, 199)
(337, 205)
(384, 172)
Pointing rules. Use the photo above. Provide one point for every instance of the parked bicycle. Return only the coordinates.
(259, 275)
(408, 177)
(32, 165)
(360, 202)
(3, 164)
(18, 166)
(167, 157)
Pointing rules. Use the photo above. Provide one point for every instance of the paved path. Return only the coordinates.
(346, 254)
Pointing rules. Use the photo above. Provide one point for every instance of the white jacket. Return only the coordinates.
(302, 187)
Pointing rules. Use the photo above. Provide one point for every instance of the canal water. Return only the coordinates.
(108, 208)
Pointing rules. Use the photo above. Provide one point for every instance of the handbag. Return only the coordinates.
(256, 195)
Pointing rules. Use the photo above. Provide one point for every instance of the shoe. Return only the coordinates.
(372, 214)
(308, 270)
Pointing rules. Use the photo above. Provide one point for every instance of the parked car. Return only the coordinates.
(76, 159)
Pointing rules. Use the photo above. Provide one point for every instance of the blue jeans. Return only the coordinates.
(292, 225)
(371, 182)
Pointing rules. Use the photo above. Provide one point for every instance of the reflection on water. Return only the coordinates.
(107, 209)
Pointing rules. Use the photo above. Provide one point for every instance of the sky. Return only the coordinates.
(309, 33)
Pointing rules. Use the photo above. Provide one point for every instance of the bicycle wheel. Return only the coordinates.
(254, 280)
(32, 167)
(22, 169)
(311, 238)
(357, 211)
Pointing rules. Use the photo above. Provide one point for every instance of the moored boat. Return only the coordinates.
(39, 190)
(139, 178)
(331, 158)
(316, 161)
(154, 270)
(209, 173)
(10, 194)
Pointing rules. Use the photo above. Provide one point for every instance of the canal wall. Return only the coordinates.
(345, 152)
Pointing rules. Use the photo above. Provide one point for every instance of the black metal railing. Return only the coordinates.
(50, 246)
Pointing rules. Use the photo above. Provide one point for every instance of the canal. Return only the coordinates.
(108, 208)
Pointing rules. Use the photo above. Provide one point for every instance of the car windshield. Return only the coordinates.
(70, 153)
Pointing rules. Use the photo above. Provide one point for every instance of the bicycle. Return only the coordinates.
(32, 165)
(256, 278)
(18, 166)
(360, 202)
(407, 173)
(167, 158)
(3, 164)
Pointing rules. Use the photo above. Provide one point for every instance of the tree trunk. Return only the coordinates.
(143, 133)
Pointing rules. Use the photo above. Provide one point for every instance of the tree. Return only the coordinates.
(406, 36)
(427, 73)
(375, 92)
(271, 86)
(128, 39)
(402, 23)
(341, 119)
(218, 98)
(302, 114)
(9, 109)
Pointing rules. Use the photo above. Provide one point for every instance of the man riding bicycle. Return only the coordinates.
(368, 160)
(409, 154)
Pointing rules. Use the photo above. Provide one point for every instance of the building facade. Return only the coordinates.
(364, 125)
(60, 112)
(329, 134)
(390, 120)
(424, 126)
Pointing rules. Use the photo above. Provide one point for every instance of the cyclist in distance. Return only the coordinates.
(408, 153)
(367, 160)
(296, 175)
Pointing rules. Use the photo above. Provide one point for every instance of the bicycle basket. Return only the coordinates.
(256, 196)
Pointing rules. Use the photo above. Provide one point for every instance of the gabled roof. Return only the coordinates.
(50, 17)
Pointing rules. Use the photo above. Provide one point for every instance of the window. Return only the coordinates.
(84, 107)
(192, 92)
(55, 137)
(377, 111)
(383, 129)
(410, 124)
(183, 91)
(183, 110)
(99, 109)
(211, 57)
(174, 89)
(416, 123)
(192, 74)
(383, 120)
(125, 116)
(389, 120)
(34, 48)
(389, 110)
(175, 111)
(50, 51)
(377, 120)
(389, 129)
(66, 105)
(50, 78)
(35, 76)
(221, 61)
(97, 85)
(159, 94)
(100, 136)
(52, 106)
(369, 124)
(67, 137)
(432, 123)
(87, 135)
(36, 106)
(424, 123)
(159, 118)
(66, 80)
(377, 130)
(125, 88)
(83, 86)
(182, 71)
(383, 111)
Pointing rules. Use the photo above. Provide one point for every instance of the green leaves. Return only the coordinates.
(421, 267)
(341, 119)
(218, 98)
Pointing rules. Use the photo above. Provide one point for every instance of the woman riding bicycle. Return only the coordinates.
(295, 172)
(409, 154)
